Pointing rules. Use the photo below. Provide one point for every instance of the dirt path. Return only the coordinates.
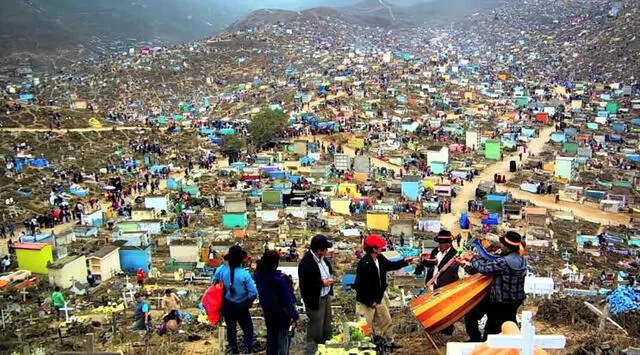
(64, 130)
(587, 212)
(468, 191)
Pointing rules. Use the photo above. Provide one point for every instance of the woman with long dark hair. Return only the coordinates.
(278, 302)
(239, 294)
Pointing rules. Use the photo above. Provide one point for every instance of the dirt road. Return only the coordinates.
(65, 130)
(450, 221)
(586, 212)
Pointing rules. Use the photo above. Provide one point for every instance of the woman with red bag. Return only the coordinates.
(239, 293)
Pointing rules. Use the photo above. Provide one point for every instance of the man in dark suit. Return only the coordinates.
(316, 288)
(371, 284)
(438, 258)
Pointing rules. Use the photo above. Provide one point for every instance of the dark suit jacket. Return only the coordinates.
(450, 275)
(371, 284)
(310, 281)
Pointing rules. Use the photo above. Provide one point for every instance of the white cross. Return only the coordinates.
(527, 341)
(126, 297)
(66, 310)
(24, 294)
(126, 280)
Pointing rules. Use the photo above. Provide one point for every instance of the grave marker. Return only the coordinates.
(66, 310)
(527, 341)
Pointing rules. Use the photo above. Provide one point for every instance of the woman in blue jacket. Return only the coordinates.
(278, 302)
(239, 293)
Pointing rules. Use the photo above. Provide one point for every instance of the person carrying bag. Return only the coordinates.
(239, 293)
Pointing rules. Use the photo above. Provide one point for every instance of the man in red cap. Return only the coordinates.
(438, 258)
(371, 284)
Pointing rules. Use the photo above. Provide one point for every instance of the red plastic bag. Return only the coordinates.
(212, 302)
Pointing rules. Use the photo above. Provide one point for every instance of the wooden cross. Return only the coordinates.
(89, 348)
(527, 341)
(66, 310)
(5, 316)
(159, 298)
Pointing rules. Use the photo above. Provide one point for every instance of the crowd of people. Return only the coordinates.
(316, 276)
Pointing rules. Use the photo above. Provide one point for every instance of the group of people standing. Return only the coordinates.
(316, 279)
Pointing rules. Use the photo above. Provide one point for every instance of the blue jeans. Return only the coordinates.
(238, 314)
(277, 336)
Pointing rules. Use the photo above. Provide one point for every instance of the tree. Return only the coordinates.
(267, 126)
(232, 145)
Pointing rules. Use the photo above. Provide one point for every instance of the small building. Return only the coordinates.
(438, 167)
(159, 203)
(140, 238)
(185, 250)
(94, 219)
(34, 257)
(566, 167)
(437, 153)
(378, 221)
(153, 226)
(411, 187)
(235, 205)
(472, 139)
(536, 221)
(105, 263)
(138, 214)
(492, 150)
(402, 227)
(235, 221)
(64, 272)
(133, 258)
(272, 198)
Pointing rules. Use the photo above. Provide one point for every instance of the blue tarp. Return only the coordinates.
(347, 281)
(306, 160)
(75, 190)
(492, 220)
(156, 168)
(239, 165)
(38, 163)
(633, 157)
(619, 127)
(533, 188)
(277, 175)
(495, 197)
(27, 97)
(205, 131)
(294, 178)
(464, 220)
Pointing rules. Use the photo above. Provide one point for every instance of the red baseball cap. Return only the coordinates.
(375, 241)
